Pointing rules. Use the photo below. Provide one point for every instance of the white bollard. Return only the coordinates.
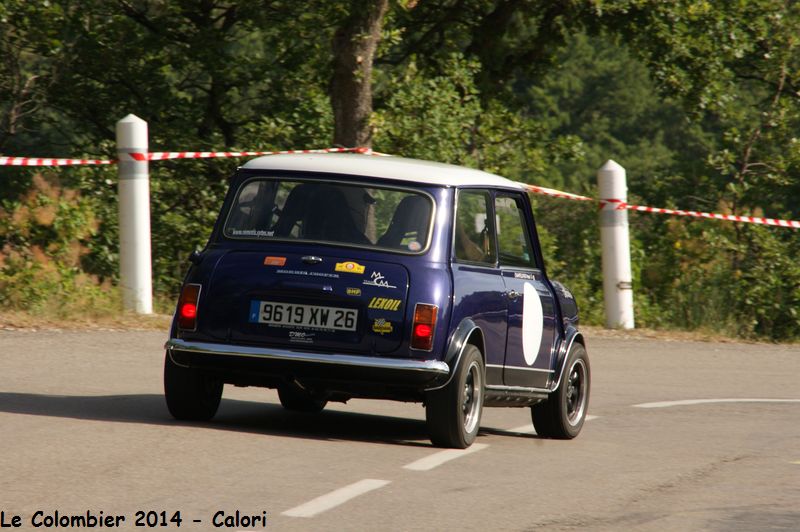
(614, 237)
(134, 216)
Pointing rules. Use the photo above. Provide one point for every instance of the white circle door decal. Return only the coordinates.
(532, 322)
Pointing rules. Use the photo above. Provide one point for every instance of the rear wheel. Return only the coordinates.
(190, 394)
(562, 415)
(293, 397)
(453, 413)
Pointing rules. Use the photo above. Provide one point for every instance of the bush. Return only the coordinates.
(43, 241)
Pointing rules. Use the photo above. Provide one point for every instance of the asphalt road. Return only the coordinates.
(83, 427)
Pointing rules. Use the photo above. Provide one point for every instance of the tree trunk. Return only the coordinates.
(354, 47)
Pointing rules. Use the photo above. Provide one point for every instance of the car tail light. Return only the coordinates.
(424, 326)
(187, 307)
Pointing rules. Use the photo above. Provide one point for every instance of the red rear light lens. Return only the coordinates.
(187, 307)
(189, 311)
(424, 326)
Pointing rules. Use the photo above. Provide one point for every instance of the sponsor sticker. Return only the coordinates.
(384, 303)
(381, 326)
(252, 232)
(377, 279)
(274, 261)
(301, 337)
(311, 274)
(524, 275)
(353, 291)
(414, 246)
(349, 267)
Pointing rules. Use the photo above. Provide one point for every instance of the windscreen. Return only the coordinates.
(339, 213)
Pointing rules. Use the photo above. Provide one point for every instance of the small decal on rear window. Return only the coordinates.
(312, 274)
(383, 303)
(274, 261)
(349, 267)
(381, 326)
(251, 232)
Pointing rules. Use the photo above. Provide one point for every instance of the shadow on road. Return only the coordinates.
(508, 433)
(233, 415)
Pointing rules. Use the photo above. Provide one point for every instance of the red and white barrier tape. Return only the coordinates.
(163, 156)
(615, 204)
(715, 216)
(604, 203)
(32, 161)
(556, 193)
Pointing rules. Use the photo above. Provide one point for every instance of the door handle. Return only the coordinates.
(513, 295)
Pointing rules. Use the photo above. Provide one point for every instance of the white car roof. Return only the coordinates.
(379, 167)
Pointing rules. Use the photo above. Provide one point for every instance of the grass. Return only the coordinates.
(20, 320)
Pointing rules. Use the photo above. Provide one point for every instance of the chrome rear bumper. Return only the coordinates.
(431, 368)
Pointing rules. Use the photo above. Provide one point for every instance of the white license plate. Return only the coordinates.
(311, 316)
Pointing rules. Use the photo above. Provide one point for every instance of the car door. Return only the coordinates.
(478, 289)
(531, 332)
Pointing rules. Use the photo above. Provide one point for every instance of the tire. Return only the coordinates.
(453, 413)
(561, 416)
(294, 398)
(190, 394)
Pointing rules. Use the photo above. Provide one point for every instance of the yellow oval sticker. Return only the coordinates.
(349, 267)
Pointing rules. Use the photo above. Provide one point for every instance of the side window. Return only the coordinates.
(513, 239)
(474, 231)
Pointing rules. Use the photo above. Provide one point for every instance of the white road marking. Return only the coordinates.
(685, 402)
(529, 426)
(335, 498)
(437, 459)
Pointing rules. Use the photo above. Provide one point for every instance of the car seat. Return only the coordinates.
(411, 219)
(328, 217)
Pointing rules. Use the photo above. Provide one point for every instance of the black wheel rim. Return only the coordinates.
(576, 392)
(471, 398)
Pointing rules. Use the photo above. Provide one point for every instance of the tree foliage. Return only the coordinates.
(697, 100)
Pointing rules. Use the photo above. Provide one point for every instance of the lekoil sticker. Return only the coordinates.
(384, 303)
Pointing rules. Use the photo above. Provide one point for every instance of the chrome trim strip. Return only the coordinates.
(520, 369)
(205, 348)
(519, 389)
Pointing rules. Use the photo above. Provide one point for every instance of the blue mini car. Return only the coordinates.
(335, 276)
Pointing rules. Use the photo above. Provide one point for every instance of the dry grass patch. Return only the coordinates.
(18, 320)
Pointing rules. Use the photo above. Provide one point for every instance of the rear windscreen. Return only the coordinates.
(332, 212)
